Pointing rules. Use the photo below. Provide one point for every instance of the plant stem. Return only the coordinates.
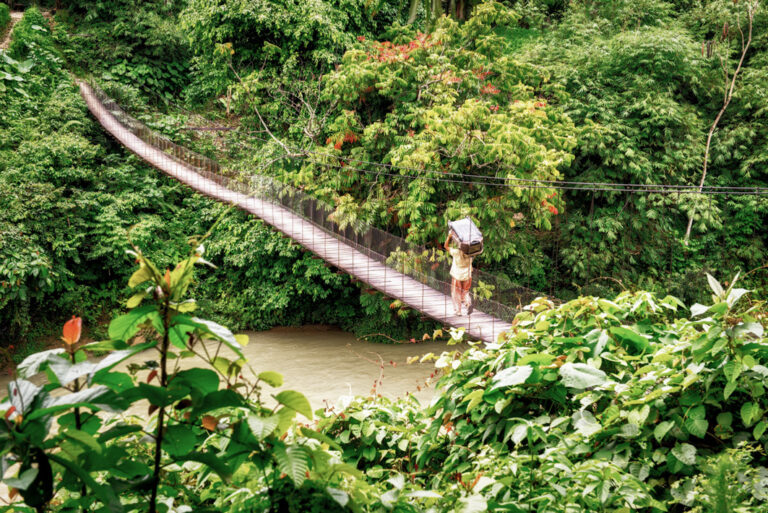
(161, 412)
(728, 95)
(78, 421)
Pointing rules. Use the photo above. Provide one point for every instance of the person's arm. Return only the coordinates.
(448, 241)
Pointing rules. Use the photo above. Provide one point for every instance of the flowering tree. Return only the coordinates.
(462, 124)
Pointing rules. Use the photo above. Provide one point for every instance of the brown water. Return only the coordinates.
(323, 363)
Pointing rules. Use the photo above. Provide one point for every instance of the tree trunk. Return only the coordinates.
(413, 11)
(726, 101)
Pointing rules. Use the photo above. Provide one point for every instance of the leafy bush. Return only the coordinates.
(30, 32)
(279, 37)
(5, 17)
(596, 404)
(134, 42)
(446, 102)
(91, 463)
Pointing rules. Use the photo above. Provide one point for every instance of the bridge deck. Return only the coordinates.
(392, 283)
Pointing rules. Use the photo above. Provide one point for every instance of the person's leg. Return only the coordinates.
(456, 295)
(466, 295)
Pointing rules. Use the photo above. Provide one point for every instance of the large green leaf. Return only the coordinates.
(179, 439)
(686, 453)
(104, 493)
(732, 370)
(157, 396)
(581, 375)
(696, 427)
(295, 401)
(262, 427)
(320, 437)
(204, 381)
(292, 460)
(474, 398)
(23, 481)
(31, 365)
(661, 429)
(125, 326)
(512, 376)
(272, 378)
(586, 423)
(141, 275)
(638, 342)
(210, 459)
(749, 413)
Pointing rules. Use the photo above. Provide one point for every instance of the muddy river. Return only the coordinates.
(324, 364)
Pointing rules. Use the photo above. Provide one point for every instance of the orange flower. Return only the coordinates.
(72, 329)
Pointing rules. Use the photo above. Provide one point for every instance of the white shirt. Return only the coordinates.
(462, 264)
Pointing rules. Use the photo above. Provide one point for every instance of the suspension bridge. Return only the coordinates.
(381, 260)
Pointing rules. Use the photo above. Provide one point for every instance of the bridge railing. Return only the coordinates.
(492, 294)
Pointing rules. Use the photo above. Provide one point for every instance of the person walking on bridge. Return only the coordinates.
(461, 276)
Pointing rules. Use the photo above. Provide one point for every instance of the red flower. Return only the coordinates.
(494, 108)
(410, 133)
(543, 203)
(361, 38)
(338, 145)
(539, 104)
(489, 89)
(328, 141)
(72, 329)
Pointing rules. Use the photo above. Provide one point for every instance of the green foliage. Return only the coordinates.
(446, 102)
(640, 122)
(593, 405)
(596, 405)
(134, 42)
(279, 37)
(5, 17)
(211, 418)
(30, 32)
(72, 196)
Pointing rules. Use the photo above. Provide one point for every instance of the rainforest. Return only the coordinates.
(225, 284)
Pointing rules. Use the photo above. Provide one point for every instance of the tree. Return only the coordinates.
(462, 123)
(730, 83)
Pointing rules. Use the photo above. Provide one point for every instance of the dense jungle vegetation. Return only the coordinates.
(643, 390)
(618, 92)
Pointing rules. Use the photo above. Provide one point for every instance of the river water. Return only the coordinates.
(323, 363)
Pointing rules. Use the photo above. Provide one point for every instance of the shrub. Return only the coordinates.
(31, 31)
(5, 18)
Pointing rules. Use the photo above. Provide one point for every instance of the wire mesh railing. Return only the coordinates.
(493, 295)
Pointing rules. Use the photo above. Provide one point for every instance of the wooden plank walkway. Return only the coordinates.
(390, 282)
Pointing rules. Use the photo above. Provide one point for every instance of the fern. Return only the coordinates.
(293, 461)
